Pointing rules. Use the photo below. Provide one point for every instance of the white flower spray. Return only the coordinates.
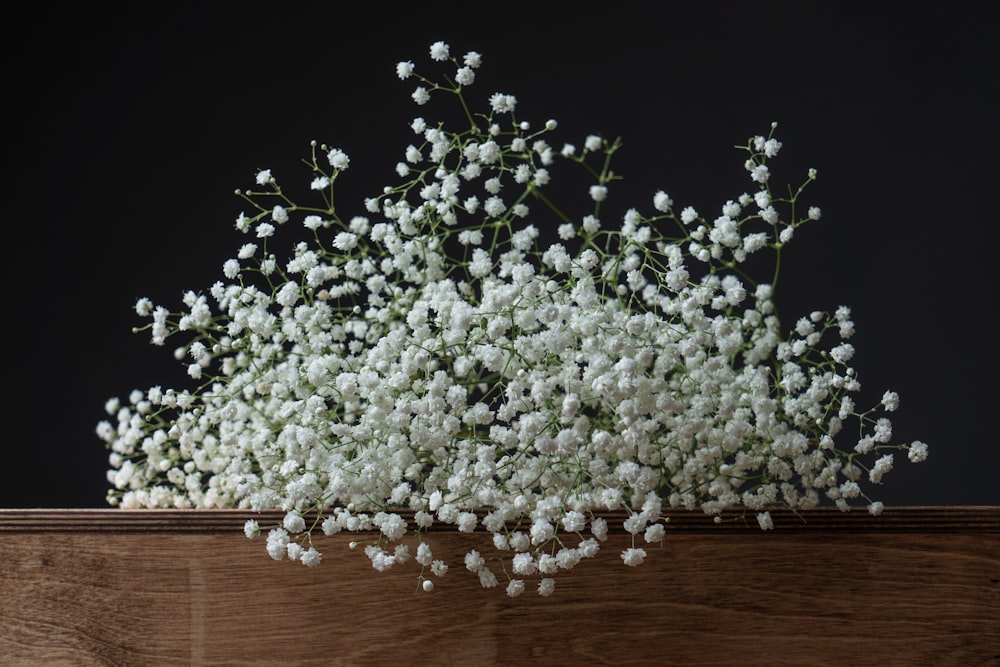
(462, 350)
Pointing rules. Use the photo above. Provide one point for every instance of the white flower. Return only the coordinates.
(294, 523)
(311, 557)
(759, 172)
(489, 358)
(465, 76)
(486, 578)
(515, 587)
(439, 51)
(420, 95)
(881, 467)
(918, 451)
(338, 159)
(474, 561)
(662, 202)
(502, 104)
(655, 533)
(524, 564)
(143, 307)
(345, 241)
(494, 207)
(633, 557)
(277, 542)
(404, 69)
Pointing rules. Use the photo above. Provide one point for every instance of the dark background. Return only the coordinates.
(131, 129)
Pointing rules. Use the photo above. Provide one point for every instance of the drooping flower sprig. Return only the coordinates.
(463, 347)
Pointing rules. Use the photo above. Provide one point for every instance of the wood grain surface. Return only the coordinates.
(916, 586)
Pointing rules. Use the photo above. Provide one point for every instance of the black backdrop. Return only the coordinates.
(131, 129)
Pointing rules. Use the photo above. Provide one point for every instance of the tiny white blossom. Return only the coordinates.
(345, 241)
(439, 51)
(918, 451)
(310, 557)
(515, 587)
(338, 159)
(633, 557)
(420, 95)
(495, 359)
(404, 69)
(759, 173)
(465, 76)
(501, 103)
(662, 202)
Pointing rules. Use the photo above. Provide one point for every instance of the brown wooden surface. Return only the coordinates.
(916, 586)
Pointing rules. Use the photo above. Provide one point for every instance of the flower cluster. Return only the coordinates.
(465, 350)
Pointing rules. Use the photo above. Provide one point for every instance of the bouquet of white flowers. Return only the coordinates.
(467, 349)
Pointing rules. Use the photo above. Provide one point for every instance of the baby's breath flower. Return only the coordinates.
(439, 51)
(457, 349)
(404, 69)
(917, 452)
(465, 76)
(420, 95)
(338, 159)
(598, 192)
(634, 557)
(662, 202)
(501, 103)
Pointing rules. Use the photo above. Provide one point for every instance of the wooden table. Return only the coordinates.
(915, 586)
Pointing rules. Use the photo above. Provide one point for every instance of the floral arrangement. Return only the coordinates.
(468, 351)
